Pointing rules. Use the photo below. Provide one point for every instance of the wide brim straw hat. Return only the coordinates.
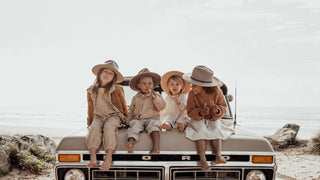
(112, 65)
(166, 77)
(144, 72)
(201, 76)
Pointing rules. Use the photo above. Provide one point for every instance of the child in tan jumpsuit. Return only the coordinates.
(144, 109)
(107, 108)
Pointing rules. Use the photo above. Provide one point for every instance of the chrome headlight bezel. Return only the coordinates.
(74, 174)
(256, 175)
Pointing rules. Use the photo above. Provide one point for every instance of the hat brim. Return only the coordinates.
(134, 81)
(96, 69)
(165, 78)
(187, 77)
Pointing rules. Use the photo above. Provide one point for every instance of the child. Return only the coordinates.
(175, 113)
(106, 109)
(205, 106)
(144, 109)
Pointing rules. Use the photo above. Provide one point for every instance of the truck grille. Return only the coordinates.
(142, 173)
(196, 173)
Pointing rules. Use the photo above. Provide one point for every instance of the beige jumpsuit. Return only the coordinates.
(105, 124)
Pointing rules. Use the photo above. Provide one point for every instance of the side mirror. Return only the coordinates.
(230, 97)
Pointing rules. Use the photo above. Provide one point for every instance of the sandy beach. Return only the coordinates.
(293, 164)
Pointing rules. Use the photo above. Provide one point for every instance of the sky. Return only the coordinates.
(268, 49)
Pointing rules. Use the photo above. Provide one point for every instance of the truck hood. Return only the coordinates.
(240, 140)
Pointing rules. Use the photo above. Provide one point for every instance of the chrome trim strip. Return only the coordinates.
(168, 164)
(71, 166)
(172, 152)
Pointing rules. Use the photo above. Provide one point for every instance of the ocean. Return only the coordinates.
(267, 120)
(55, 123)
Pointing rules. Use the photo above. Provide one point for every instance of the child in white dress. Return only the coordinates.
(175, 113)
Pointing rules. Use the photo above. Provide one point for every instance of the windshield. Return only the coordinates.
(129, 93)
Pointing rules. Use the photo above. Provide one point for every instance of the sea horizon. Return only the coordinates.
(263, 121)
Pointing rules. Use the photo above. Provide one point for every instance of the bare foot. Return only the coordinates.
(220, 160)
(106, 164)
(166, 126)
(204, 166)
(129, 145)
(92, 163)
(130, 142)
(154, 151)
(181, 126)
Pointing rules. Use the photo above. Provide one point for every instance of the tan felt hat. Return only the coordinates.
(201, 76)
(112, 65)
(144, 72)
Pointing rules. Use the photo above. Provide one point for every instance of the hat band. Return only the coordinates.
(201, 80)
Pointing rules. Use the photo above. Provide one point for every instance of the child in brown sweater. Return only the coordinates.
(205, 106)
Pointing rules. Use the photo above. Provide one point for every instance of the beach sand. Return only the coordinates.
(17, 174)
(293, 164)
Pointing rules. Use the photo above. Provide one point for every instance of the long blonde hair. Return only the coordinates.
(97, 83)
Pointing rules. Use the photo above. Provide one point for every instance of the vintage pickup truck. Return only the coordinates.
(249, 156)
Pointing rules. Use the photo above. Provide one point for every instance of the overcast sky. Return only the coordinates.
(271, 48)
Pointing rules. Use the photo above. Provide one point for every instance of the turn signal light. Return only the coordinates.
(69, 157)
(262, 159)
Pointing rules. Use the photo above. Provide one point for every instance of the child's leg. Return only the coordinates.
(130, 143)
(155, 137)
(166, 125)
(216, 145)
(201, 148)
(93, 157)
(107, 161)
(94, 140)
(153, 129)
(168, 122)
(181, 126)
(181, 123)
(110, 132)
(133, 132)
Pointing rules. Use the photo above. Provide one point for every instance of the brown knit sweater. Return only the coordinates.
(215, 102)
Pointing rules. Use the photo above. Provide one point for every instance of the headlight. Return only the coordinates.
(74, 174)
(255, 175)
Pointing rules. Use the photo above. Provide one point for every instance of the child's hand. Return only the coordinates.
(205, 109)
(153, 93)
(215, 109)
